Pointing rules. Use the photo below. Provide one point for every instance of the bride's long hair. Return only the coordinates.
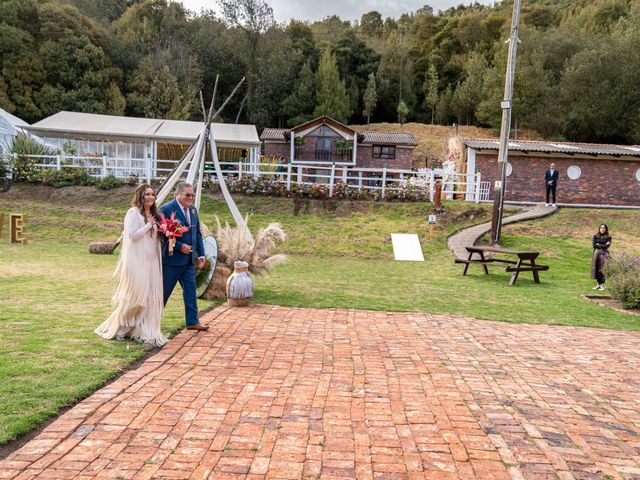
(138, 201)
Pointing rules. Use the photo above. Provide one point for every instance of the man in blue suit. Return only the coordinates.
(187, 254)
(551, 182)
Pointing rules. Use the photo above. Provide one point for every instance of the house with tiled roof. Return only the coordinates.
(589, 174)
(325, 141)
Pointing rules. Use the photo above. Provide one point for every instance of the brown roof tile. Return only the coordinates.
(369, 137)
(557, 147)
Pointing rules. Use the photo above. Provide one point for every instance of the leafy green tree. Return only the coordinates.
(79, 73)
(331, 93)
(275, 77)
(602, 16)
(61, 61)
(216, 49)
(531, 94)
(303, 44)
(468, 94)
(299, 106)
(330, 30)
(102, 11)
(370, 97)
(58, 21)
(403, 111)
(5, 102)
(395, 78)
(252, 18)
(355, 61)
(148, 27)
(444, 112)
(599, 89)
(115, 103)
(431, 90)
(152, 24)
(154, 93)
(20, 64)
(371, 24)
(540, 16)
(22, 14)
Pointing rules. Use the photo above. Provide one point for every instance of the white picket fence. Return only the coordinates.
(469, 187)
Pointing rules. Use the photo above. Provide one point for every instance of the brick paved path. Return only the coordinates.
(274, 392)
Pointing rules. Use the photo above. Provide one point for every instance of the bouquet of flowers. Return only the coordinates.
(171, 229)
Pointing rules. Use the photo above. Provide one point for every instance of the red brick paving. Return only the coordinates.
(272, 392)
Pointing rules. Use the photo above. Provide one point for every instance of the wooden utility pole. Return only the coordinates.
(503, 152)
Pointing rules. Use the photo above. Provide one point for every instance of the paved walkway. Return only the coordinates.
(272, 392)
(471, 235)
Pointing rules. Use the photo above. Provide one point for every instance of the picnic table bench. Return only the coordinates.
(526, 261)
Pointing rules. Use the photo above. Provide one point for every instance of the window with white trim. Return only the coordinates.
(385, 152)
(574, 172)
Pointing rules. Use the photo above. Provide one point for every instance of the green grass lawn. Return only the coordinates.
(53, 293)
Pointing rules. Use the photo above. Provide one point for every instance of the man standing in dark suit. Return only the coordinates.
(187, 255)
(551, 181)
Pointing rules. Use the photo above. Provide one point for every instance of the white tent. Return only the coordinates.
(90, 125)
(137, 145)
(10, 125)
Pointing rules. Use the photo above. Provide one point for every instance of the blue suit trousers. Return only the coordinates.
(186, 276)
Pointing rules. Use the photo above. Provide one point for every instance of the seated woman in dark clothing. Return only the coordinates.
(601, 242)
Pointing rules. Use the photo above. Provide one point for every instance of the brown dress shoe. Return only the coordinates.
(198, 326)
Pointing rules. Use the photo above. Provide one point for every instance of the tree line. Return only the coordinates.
(576, 73)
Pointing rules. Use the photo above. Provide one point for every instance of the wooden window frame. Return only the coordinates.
(380, 154)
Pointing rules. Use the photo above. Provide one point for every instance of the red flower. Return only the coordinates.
(170, 227)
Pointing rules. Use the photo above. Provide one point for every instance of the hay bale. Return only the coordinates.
(5, 184)
(217, 289)
(103, 248)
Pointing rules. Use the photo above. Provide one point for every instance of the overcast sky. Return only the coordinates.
(284, 10)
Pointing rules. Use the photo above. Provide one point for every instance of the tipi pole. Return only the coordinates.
(184, 155)
(197, 157)
(171, 181)
(223, 186)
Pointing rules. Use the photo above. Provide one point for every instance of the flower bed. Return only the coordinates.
(252, 185)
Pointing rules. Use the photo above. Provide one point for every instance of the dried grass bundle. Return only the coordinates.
(217, 287)
(234, 245)
(455, 152)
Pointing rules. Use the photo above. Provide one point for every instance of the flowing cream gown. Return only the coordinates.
(138, 297)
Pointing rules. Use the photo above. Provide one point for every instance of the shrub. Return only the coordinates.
(66, 176)
(623, 279)
(25, 168)
(132, 179)
(107, 183)
(3, 167)
(408, 192)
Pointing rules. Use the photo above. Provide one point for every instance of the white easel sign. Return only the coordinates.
(406, 247)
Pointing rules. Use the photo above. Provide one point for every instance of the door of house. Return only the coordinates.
(323, 149)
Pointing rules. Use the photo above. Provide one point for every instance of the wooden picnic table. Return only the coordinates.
(526, 261)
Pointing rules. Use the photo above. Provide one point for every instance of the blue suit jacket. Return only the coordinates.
(193, 237)
(548, 177)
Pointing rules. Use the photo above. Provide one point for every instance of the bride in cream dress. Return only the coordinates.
(138, 297)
